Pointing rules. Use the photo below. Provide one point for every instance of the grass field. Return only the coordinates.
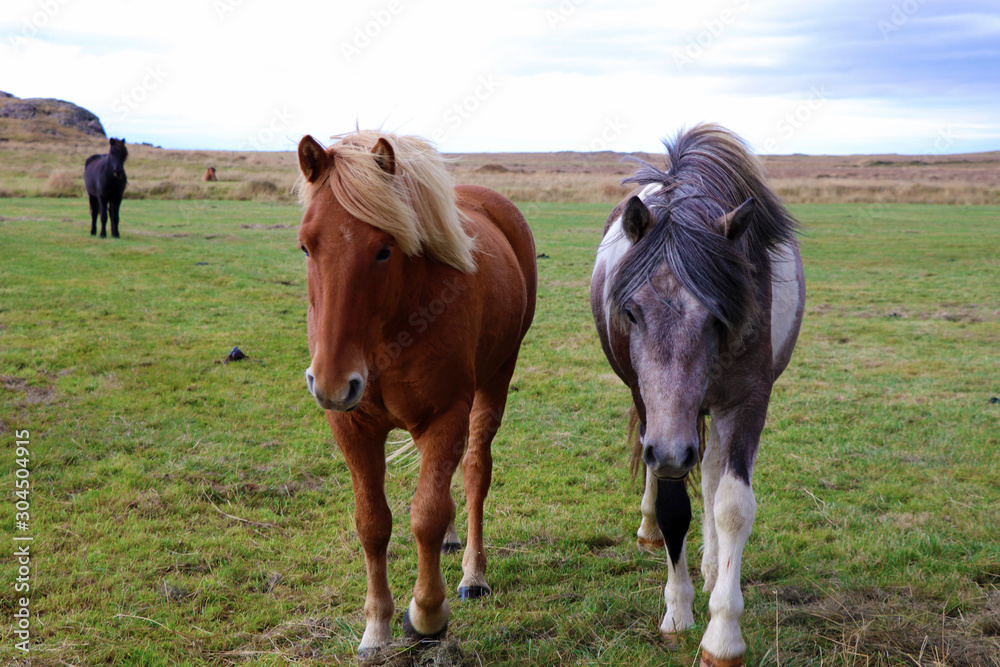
(190, 512)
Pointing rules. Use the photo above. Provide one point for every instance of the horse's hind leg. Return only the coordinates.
(452, 543)
(673, 514)
(477, 474)
(649, 536)
(93, 215)
(711, 468)
(103, 206)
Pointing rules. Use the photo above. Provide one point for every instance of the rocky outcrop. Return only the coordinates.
(45, 112)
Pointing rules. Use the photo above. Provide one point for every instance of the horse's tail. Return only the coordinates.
(635, 439)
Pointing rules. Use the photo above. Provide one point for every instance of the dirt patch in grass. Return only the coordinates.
(877, 627)
(32, 395)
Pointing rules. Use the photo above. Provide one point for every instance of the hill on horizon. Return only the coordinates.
(45, 120)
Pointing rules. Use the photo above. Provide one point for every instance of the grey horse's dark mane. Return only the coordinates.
(709, 172)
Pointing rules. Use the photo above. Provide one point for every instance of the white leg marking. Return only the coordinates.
(473, 569)
(378, 633)
(678, 595)
(710, 469)
(735, 508)
(649, 532)
(429, 624)
(451, 536)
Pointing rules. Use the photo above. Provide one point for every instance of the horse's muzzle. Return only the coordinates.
(344, 400)
(670, 462)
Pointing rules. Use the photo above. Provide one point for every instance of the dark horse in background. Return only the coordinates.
(105, 178)
(698, 294)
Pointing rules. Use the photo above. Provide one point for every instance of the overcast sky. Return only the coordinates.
(825, 76)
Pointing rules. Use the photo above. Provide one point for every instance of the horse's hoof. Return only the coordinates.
(412, 634)
(671, 639)
(473, 592)
(708, 660)
(451, 547)
(368, 653)
(652, 546)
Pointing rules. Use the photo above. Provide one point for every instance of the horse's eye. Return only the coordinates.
(383, 254)
(630, 315)
(303, 249)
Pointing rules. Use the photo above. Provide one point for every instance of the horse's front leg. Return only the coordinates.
(673, 514)
(364, 450)
(441, 445)
(734, 510)
(113, 208)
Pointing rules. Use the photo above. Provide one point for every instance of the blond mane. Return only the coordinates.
(416, 204)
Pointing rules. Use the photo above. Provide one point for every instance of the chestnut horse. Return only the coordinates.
(698, 295)
(420, 294)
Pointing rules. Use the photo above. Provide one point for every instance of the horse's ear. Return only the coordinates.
(734, 223)
(313, 160)
(385, 156)
(636, 220)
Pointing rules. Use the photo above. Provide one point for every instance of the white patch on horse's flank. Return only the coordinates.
(785, 297)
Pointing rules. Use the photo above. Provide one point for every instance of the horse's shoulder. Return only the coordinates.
(92, 158)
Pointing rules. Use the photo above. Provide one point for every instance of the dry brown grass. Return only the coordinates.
(46, 169)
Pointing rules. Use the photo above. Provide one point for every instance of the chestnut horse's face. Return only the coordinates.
(355, 276)
(354, 273)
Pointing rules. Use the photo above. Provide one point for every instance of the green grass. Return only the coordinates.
(190, 512)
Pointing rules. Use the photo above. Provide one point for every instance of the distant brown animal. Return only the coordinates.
(209, 175)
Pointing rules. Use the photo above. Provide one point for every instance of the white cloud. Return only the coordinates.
(521, 75)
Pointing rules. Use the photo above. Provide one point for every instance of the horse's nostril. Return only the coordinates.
(647, 455)
(691, 458)
(354, 389)
(310, 380)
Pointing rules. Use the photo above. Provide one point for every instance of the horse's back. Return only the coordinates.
(788, 302)
(486, 206)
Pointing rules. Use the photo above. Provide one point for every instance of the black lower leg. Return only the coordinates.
(673, 515)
